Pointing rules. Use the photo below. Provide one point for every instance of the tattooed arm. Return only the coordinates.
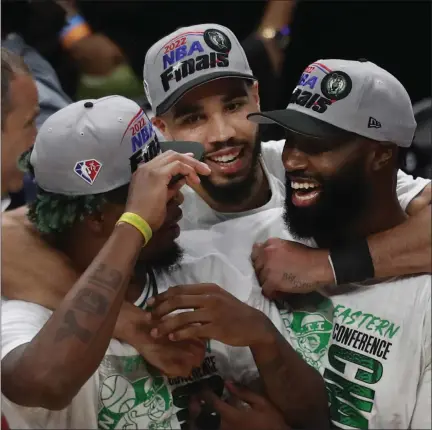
(50, 370)
(291, 384)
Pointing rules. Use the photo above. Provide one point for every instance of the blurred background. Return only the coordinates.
(82, 49)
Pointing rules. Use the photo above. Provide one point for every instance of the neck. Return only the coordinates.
(259, 195)
(383, 213)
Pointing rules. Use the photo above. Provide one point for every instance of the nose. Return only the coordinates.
(294, 160)
(220, 129)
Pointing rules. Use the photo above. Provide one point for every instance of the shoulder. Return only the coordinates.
(20, 323)
(272, 148)
(271, 153)
(408, 188)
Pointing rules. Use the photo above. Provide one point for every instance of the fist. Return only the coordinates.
(282, 266)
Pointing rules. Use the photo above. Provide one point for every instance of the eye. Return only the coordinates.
(234, 106)
(192, 119)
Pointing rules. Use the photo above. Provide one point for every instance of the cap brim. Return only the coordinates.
(176, 95)
(299, 122)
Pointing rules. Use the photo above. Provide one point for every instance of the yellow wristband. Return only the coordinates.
(139, 223)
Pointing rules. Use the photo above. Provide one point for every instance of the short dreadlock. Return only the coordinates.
(54, 214)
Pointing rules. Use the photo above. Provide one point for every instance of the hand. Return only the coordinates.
(282, 266)
(149, 192)
(258, 414)
(212, 313)
(174, 359)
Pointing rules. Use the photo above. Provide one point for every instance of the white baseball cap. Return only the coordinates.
(360, 97)
(93, 146)
(188, 57)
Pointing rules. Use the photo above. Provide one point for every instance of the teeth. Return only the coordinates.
(301, 185)
(307, 196)
(225, 158)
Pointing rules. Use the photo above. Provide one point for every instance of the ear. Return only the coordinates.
(383, 156)
(162, 126)
(255, 94)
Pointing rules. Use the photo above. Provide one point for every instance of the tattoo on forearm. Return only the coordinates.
(72, 328)
(106, 278)
(91, 301)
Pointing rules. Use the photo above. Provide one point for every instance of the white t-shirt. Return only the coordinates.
(372, 344)
(371, 341)
(197, 214)
(125, 392)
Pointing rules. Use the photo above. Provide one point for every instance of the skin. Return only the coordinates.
(19, 130)
(286, 379)
(215, 114)
(284, 266)
(83, 323)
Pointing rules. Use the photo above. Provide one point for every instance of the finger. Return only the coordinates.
(246, 395)
(179, 321)
(269, 292)
(202, 331)
(226, 411)
(172, 156)
(256, 250)
(263, 275)
(173, 303)
(175, 190)
(258, 266)
(178, 168)
(194, 408)
(191, 289)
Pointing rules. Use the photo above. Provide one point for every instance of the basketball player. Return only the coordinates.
(202, 89)
(372, 341)
(59, 369)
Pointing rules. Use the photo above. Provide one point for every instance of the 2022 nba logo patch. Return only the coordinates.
(88, 170)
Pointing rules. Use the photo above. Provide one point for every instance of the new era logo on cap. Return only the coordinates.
(334, 96)
(373, 123)
(88, 170)
(190, 57)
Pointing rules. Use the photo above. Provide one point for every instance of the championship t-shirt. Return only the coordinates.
(372, 344)
(126, 392)
(197, 214)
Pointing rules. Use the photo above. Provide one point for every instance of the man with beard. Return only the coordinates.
(341, 161)
(202, 91)
(61, 369)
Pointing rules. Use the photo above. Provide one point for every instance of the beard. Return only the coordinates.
(164, 261)
(343, 199)
(235, 191)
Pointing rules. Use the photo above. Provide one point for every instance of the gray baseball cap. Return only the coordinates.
(334, 97)
(93, 146)
(189, 57)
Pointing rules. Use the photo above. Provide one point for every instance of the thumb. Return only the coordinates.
(244, 394)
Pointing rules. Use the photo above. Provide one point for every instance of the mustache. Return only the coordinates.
(289, 176)
(217, 146)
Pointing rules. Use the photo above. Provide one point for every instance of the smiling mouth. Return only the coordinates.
(228, 158)
(305, 192)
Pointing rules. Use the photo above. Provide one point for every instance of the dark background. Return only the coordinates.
(394, 34)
